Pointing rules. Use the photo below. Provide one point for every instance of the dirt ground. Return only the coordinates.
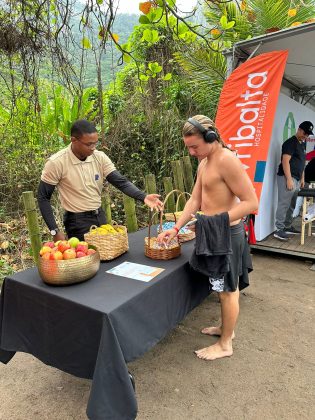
(270, 376)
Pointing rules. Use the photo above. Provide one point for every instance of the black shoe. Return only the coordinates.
(281, 234)
(292, 231)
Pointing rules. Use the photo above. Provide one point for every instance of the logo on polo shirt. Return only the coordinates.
(97, 177)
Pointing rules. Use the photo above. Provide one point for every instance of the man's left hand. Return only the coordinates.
(302, 183)
(152, 201)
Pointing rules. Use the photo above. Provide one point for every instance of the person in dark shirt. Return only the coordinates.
(290, 178)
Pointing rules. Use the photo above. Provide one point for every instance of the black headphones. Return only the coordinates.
(209, 135)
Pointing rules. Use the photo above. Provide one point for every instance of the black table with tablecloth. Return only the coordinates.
(93, 329)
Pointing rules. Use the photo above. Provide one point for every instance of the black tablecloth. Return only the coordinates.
(93, 329)
(307, 192)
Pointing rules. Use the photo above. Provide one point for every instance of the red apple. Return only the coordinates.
(57, 255)
(63, 246)
(50, 244)
(82, 246)
(44, 250)
(46, 256)
(81, 254)
(90, 251)
(69, 254)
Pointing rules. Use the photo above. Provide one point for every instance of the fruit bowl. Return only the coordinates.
(69, 271)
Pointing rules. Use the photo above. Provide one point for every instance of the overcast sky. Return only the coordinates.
(132, 6)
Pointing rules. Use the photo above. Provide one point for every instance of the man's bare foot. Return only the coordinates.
(214, 331)
(214, 352)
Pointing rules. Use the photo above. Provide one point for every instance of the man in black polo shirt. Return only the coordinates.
(289, 178)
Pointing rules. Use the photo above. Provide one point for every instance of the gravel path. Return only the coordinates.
(270, 376)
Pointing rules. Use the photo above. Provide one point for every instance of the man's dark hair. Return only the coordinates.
(81, 127)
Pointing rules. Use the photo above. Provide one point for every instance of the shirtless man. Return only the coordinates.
(222, 186)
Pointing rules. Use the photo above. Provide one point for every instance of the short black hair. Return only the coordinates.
(81, 127)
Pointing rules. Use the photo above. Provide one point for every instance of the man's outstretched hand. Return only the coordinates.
(152, 201)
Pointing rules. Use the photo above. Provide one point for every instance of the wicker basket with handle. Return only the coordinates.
(187, 236)
(172, 217)
(111, 245)
(160, 252)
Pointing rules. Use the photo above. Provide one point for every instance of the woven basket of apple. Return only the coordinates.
(68, 262)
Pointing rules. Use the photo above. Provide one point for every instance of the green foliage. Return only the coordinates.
(5, 270)
(123, 26)
(207, 71)
(172, 69)
(154, 69)
(274, 13)
(29, 134)
(59, 109)
(86, 43)
(225, 24)
(150, 36)
(157, 69)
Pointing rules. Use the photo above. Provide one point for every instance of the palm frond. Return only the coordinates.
(274, 13)
(206, 71)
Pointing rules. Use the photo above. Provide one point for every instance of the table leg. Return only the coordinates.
(310, 224)
(303, 223)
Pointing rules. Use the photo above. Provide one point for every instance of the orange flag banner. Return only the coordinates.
(247, 108)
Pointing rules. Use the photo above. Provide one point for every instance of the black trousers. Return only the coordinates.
(77, 224)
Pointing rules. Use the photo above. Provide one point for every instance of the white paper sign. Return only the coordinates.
(135, 271)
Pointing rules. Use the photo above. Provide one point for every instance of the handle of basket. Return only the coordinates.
(151, 217)
(178, 198)
(169, 194)
(150, 223)
(93, 227)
